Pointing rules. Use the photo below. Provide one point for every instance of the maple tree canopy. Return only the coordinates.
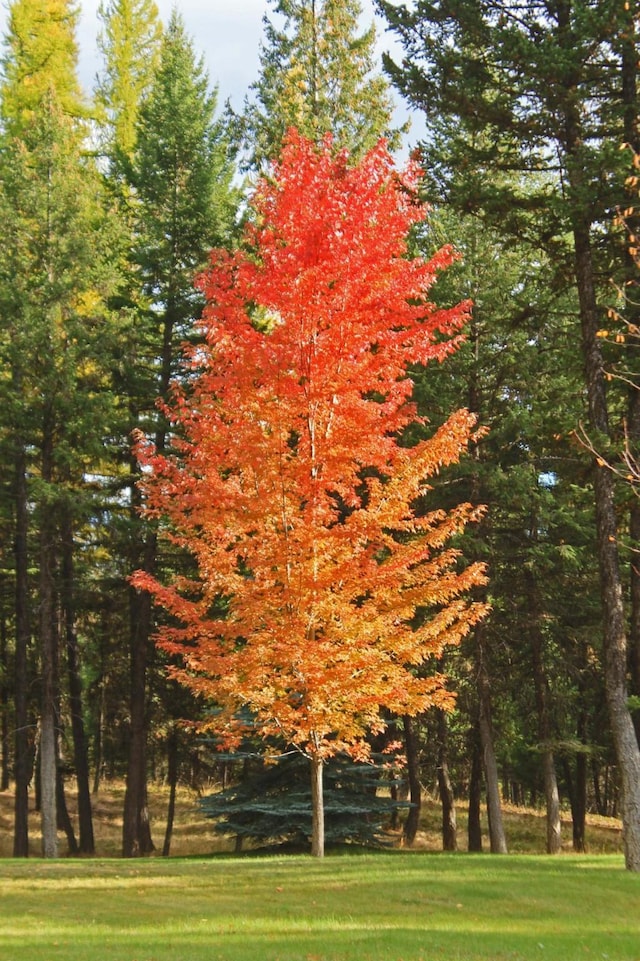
(290, 484)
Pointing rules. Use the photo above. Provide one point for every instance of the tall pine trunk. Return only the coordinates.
(447, 798)
(497, 839)
(545, 732)
(615, 640)
(474, 826)
(136, 828)
(4, 705)
(80, 750)
(49, 653)
(22, 764)
(172, 750)
(136, 824)
(412, 750)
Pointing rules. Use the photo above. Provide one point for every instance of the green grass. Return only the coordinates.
(396, 906)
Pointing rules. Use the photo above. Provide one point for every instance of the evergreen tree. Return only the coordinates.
(49, 289)
(56, 344)
(129, 42)
(530, 114)
(41, 51)
(184, 204)
(317, 75)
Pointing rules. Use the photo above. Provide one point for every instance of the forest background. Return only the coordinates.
(110, 204)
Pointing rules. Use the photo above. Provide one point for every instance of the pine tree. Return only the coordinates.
(184, 203)
(531, 114)
(57, 346)
(317, 75)
(41, 51)
(49, 275)
(129, 42)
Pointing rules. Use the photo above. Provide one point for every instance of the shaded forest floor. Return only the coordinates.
(193, 834)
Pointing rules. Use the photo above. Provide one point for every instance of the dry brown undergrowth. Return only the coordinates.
(194, 835)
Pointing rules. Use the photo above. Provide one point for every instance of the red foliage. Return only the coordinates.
(291, 488)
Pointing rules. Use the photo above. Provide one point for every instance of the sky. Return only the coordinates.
(228, 34)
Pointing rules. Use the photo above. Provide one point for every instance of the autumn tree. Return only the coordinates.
(326, 585)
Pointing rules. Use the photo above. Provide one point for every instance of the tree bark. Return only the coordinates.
(62, 813)
(136, 829)
(497, 839)
(615, 641)
(22, 761)
(474, 826)
(4, 705)
(317, 806)
(447, 798)
(173, 781)
(632, 317)
(412, 821)
(545, 732)
(80, 752)
(49, 656)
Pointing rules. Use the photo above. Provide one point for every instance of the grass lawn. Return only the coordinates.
(395, 906)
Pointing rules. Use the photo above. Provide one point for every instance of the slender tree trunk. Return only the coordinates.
(22, 761)
(412, 749)
(317, 806)
(578, 799)
(4, 705)
(474, 827)
(98, 742)
(615, 641)
(632, 317)
(545, 732)
(49, 655)
(634, 591)
(173, 781)
(449, 821)
(136, 831)
(62, 813)
(80, 751)
(498, 841)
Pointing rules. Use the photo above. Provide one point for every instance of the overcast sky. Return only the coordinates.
(226, 32)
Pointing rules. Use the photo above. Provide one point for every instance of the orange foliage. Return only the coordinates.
(290, 486)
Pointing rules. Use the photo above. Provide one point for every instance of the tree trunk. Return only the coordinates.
(62, 812)
(410, 828)
(474, 826)
(497, 839)
(634, 624)
(4, 705)
(545, 732)
(615, 641)
(80, 753)
(317, 806)
(22, 762)
(578, 799)
(136, 831)
(49, 655)
(632, 317)
(449, 822)
(173, 781)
